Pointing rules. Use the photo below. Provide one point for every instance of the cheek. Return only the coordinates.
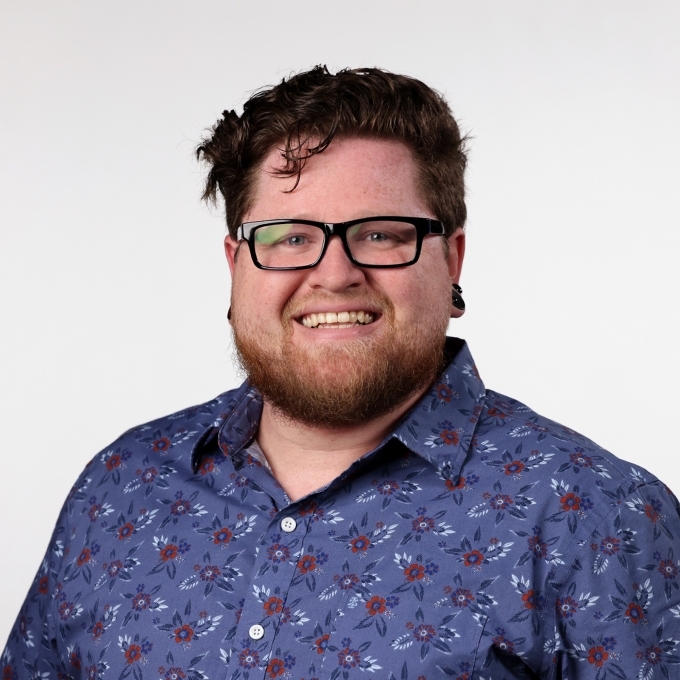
(262, 295)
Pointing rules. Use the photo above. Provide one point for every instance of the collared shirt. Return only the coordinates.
(479, 540)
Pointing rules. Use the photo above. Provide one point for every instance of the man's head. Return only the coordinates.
(302, 115)
(341, 372)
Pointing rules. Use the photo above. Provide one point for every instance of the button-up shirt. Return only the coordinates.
(479, 540)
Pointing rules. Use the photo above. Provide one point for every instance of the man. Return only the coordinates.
(362, 503)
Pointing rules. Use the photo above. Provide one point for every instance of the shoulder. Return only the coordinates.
(559, 489)
(510, 427)
(148, 456)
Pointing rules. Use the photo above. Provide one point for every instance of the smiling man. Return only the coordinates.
(362, 503)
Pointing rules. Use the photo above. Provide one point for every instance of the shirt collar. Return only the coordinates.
(439, 428)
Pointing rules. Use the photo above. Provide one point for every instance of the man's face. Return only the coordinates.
(343, 373)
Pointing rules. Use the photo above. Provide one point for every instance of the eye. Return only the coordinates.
(296, 240)
(378, 237)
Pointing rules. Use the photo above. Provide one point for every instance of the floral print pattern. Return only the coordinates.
(479, 541)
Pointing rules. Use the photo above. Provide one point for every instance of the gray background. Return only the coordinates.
(113, 284)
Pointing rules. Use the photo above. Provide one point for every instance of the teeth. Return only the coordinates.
(337, 320)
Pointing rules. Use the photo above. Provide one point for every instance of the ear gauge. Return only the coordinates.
(457, 300)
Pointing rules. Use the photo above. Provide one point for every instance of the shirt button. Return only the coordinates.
(256, 632)
(288, 524)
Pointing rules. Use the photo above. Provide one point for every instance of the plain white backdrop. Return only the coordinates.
(113, 285)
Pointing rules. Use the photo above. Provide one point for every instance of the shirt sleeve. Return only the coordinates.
(618, 613)
(31, 652)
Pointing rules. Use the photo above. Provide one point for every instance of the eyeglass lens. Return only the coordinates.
(374, 242)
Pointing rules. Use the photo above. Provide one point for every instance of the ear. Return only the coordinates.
(455, 264)
(456, 254)
(230, 248)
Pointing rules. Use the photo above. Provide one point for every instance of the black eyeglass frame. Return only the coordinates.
(424, 227)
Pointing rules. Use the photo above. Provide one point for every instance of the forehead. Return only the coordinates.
(352, 178)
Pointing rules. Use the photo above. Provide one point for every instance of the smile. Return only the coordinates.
(337, 320)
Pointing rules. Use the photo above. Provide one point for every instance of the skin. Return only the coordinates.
(353, 178)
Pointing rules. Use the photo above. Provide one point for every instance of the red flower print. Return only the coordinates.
(274, 605)
(275, 668)
(126, 531)
(307, 563)
(610, 545)
(347, 582)
(424, 632)
(387, 488)
(473, 558)
(7, 672)
(414, 572)
(348, 658)
(376, 605)
(500, 501)
(148, 475)
(422, 524)
(169, 552)
(184, 634)
(84, 557)
(537, 546)
(597, 656)
(570, 501)
(141, 601)
(180, 507)
(652, 513)
(653, 655)
(321, 643)
(248, 658)
(360, 544)
(112, 462)
(65, 610)
(450, 486)
(74, 658)
(444, 392)
(278, 553)
(514, 468)
(161, 445)
(566, 607)
(207, 466)
(668, 569)
(114, 568)
(462, 597)
(529, 599)
(581, 460)
(42, 585)
(209, 573)
(133, 653)
(222, 536)
(97, 630)
(174, 674)
(450, 437)
(501, 642)
(635, 613)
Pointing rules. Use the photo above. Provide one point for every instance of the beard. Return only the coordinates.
(343, 383)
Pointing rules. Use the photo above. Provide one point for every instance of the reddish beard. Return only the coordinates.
(344, 383)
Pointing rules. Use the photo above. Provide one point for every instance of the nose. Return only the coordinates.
(335, 272)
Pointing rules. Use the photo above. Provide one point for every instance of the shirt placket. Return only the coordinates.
(265, 602)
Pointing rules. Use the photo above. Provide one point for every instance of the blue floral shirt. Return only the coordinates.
(479, 540)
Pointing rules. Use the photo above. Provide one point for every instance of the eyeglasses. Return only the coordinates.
(379, 242)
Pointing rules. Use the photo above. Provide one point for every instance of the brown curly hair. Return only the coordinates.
(304, 113)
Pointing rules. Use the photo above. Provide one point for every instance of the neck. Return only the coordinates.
(305, 458)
